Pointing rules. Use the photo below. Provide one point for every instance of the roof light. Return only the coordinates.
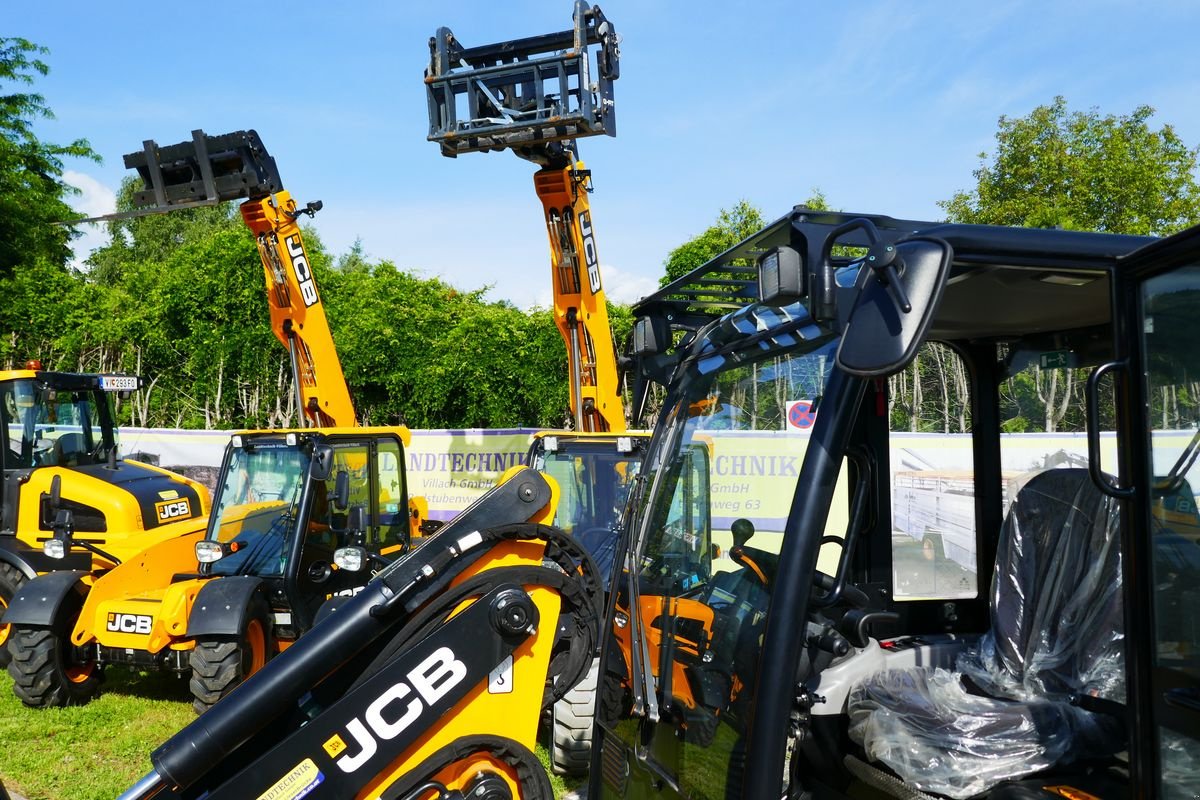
(780, 276)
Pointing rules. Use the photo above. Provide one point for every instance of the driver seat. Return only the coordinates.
(1013, 706)
(69, 449)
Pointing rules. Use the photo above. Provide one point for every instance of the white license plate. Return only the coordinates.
(118, 383)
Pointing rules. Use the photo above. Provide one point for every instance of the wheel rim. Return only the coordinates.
(5, 630)
(80, 672)
(256, 646)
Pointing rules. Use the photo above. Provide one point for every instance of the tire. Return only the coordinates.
(221, 663)
(11, 580)
(571, 720)
(43, 668)
(932, 547)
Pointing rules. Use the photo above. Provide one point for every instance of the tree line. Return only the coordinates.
(178, 298)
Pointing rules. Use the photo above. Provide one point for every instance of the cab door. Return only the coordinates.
(1163, 574)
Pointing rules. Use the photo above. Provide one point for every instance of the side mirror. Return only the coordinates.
(341, 490)
(897, 293)
(356, 525)
(62, 521)
(321, 466)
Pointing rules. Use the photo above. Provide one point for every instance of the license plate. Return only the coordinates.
(119, 383)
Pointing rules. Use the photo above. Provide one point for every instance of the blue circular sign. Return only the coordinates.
(802, 414)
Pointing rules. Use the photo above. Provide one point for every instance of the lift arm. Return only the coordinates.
(428, 683)
(580, 309)
(536, 96)
(210, 169)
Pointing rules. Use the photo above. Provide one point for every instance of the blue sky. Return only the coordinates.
(883, 106)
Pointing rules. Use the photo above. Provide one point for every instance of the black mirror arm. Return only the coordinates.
(883, 260)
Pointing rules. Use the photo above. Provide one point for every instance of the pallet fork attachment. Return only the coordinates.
(531, 91)
(207, 170)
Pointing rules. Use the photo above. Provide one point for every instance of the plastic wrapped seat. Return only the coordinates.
(1011, 708)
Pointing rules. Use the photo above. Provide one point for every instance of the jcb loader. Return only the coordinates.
(60, 426)
(215, 605)
(536, 97)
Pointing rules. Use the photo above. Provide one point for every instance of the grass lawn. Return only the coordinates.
(91, 752)
(97, 751)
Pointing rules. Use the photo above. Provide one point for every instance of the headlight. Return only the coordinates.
(55, 548)
(208, 551)
(351, 559)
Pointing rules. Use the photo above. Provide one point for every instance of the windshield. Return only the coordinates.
(749, 410)
(256, 505)
(710, 514)
(594, 479)
(44, 428)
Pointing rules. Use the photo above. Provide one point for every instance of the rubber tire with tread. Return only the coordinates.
(39, 663)
(11, 580)
(220, 664)
(571, 720)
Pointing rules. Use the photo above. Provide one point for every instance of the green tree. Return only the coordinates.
(732, 226)
(1079, 171)
(1084, 171)
(32, 192)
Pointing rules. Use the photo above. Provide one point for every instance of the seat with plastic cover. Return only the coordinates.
(1013, 706)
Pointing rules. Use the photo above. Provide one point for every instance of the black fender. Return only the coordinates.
(32, 561)
(614, 664)
(37, 603)
(221, 605)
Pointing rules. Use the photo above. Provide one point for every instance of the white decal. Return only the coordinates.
(431, 680)
(589, 252)
(304, 276)
(129, 623)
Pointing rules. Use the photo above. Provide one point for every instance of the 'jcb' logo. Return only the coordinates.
(129, 623)
(590, 259)
(431, 679)
(168, 510)
(304, 276)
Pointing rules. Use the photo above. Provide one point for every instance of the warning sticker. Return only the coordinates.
(303, 778)
(500, 679)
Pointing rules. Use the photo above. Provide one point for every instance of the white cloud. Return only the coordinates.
(622, 286)
(94, 199)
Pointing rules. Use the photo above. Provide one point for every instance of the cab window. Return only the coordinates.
(933, 479)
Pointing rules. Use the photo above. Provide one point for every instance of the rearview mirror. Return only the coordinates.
(321, 466)
(896, 294)
(341, 490)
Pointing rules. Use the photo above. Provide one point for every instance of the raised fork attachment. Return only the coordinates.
(523, 92)
(203, 171)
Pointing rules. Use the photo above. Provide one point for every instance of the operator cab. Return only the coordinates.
(56, 419)
(594, 472)
(968, 449)
(288, 503)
